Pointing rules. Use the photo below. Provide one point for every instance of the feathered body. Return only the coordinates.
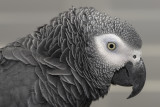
(58, 65)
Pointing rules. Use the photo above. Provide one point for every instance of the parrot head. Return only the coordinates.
(101, 50)
(113, 51)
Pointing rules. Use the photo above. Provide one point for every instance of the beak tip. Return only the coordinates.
(130, 96)
(135, 91)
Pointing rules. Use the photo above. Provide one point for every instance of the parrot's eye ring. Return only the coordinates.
(111, 46)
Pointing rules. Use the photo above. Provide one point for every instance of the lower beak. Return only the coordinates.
(131, 75)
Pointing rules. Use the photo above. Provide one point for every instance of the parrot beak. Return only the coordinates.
(131, 75)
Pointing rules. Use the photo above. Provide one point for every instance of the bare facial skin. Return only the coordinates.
(122, 53)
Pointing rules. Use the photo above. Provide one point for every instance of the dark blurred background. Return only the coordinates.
(21, 17)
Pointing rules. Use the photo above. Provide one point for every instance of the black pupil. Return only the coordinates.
(111, 45)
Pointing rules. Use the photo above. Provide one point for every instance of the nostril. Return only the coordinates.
(134, 56)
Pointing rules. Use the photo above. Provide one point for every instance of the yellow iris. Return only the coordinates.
(111, 46)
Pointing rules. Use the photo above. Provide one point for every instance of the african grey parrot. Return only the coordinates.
(71, 62)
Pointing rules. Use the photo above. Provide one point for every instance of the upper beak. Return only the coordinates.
(131, 75)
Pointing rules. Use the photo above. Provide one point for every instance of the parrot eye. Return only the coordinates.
(111, 46)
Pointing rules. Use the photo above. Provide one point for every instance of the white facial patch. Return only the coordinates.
(120, 55)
